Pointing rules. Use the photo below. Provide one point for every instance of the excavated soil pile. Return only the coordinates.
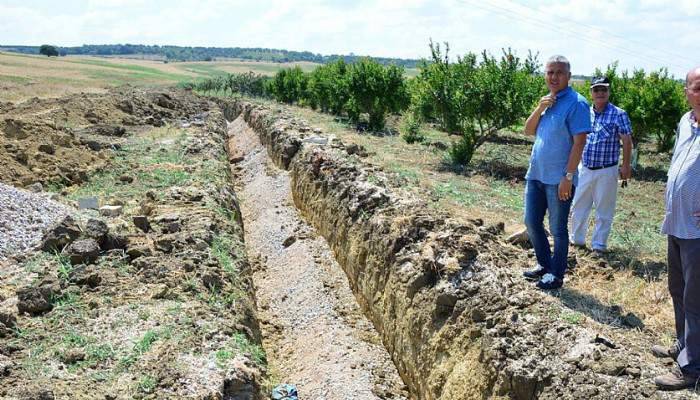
(446, 298)
(61, 141)
(151, 296)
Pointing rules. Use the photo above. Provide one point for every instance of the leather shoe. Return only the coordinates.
(666, 352)
(676, 380)
(535, 273)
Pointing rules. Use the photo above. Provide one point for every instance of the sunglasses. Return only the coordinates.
(599, 89)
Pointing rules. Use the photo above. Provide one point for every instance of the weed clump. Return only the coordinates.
(410, 129)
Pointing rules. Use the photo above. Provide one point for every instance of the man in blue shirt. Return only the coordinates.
(560, 123)
(682, 225)
(597, 174)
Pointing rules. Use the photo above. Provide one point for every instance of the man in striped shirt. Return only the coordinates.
(682, 225)
(597, 173)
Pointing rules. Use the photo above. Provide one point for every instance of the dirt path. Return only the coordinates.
(315, 334)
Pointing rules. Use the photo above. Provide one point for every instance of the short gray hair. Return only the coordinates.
(559, 60)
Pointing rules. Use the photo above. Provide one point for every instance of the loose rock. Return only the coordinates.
(83, 251)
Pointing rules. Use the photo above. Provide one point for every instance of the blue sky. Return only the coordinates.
(647, 34)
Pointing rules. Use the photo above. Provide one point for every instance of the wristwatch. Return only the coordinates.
(569, 176)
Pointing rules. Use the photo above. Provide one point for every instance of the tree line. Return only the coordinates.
(475, 97)
(187, 53)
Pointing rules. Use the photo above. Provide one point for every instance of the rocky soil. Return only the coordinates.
(446, 296)
(316, 334)
(148, 296)
(61, 141)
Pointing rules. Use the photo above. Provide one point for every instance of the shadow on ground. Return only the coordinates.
(588, 305)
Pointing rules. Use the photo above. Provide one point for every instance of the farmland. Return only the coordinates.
(314, 210)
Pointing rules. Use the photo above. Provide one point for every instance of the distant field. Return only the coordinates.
(24, 76)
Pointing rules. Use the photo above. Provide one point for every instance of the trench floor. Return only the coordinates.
(315, 334)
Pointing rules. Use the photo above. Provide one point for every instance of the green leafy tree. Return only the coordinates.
(476, 97)
(328, 87)
(248, 83)
(289, 85)
(48, 50)
(375, 90)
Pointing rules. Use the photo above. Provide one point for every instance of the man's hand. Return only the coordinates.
(625, 172)
(565, 186)
(546, 102)
(697, 218)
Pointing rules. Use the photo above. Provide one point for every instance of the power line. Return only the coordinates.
(576, 34)
(624, 38)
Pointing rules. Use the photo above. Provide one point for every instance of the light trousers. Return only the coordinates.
(595, 188)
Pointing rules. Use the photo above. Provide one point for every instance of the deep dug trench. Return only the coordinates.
(449, 306)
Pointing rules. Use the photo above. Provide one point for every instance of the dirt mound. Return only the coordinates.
(446, 297)
(62, 141)
(149, 297)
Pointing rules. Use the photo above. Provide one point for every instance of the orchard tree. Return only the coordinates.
(476, 97)
(328, 87)
(375, 90)
(289, 85)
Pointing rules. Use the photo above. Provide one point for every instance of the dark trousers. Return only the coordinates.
(684, 286)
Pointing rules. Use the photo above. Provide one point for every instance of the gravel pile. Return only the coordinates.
(24, 217)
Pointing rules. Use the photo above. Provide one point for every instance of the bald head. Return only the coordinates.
(692, 89)
(692, 75)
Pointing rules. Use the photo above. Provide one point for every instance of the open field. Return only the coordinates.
(23, 76)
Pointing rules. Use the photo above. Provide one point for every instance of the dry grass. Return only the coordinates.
(25, 76)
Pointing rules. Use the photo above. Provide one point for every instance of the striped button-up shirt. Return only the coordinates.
(683, 186)
(603, 143)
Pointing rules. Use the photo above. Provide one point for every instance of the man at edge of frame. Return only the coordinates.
(682, 227)
(560, 123)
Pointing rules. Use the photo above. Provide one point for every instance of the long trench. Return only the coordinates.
(314, 332)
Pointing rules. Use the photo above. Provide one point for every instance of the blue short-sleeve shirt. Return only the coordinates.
(568, 117)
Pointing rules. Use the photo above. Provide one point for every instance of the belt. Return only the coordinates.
(602, 166)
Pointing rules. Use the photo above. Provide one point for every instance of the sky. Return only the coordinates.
(648, 34)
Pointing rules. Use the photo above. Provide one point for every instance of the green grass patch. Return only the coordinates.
(240, 344)
(160, 162)
(243, 344)
(144, 345)
(132, 71)
(147, 384)
(65, 267)
(222, 356)
(221, 249)
(36, 262)
(572, 317)
(146, 342)
(14, 79)
(494, 196)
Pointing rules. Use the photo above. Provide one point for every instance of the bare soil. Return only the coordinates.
(316, 334)
(153, 301)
